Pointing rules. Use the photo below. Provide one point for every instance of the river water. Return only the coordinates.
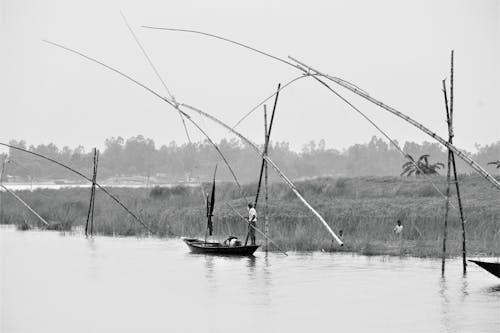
(63, 282)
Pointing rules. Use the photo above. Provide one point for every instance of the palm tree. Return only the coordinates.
(421, 166)
(497, 163)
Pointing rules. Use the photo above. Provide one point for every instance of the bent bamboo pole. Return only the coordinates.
(85, 177)
(139, 44)
(24, 203)
(172, 103)
(280, 173)
(307, 69)
(415, 123)
(177, 106)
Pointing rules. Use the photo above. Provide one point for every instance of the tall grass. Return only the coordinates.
(366, 209)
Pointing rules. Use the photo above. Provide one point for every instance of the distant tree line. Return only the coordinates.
(138, 156)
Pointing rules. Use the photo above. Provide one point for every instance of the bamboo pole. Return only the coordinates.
(393, 142)
(25, 204)
(4, 162)
(452, 166)
(85, 177)
(89, 226)
(267, 135)
(266, 145)
(308, 69)
(177, 106)
(263, 162)
(96, 164)
(413, 122)
(90, 200)
(275, 167)
(459, 198)
(256, 229)
(447, 206)
(139, 44)
(172, 103)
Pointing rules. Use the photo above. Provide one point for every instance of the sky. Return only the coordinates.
(397, 51)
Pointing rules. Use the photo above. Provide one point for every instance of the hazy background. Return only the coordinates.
(398, 51)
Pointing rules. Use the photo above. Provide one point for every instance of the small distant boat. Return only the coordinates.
(200, 246)
(492, 267)
(232, 246)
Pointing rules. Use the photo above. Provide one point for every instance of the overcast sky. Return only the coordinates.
(398, 51)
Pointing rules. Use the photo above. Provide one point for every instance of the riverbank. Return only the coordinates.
(366, 209)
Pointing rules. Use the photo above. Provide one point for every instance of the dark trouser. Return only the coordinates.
(251, 233)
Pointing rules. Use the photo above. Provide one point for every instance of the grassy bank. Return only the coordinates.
(366, 209)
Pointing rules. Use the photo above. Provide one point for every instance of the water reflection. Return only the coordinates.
(464, 290)
(251, 260)
(493, 290)
(126, 284)
(210, 277)
(92, 246)
(446, 321)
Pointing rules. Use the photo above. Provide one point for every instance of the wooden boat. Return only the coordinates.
(492, 267)
(216, 248)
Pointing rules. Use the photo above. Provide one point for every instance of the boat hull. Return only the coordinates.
(215, 248)
(492, 267)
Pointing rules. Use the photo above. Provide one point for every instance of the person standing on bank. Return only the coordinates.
(398, 229)
(252, 223)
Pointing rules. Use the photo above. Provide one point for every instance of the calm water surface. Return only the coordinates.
(64, 282)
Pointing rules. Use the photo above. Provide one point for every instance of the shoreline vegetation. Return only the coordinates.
(364, 208)
(138, 159)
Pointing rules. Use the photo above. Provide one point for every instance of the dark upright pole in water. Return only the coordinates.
(266, 144)
(457, 187)
(1, 184)
(89, 226)
(447, 209)
(452, 166)
(94, 181)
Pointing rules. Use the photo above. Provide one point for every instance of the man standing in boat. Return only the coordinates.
(252, 223)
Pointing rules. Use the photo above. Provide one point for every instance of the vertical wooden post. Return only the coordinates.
(94, 181)
(462, 219)
(89, 226)
(263, 166)
(266, 143)
(452, 166)
(447, 209)
(1, 183)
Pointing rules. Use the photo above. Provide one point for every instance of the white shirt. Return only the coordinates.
(398, 229)
(251, 213)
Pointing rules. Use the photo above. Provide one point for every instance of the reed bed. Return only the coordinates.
(366, 209)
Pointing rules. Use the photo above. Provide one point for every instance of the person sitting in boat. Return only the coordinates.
(232, 241)
(252, 224)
